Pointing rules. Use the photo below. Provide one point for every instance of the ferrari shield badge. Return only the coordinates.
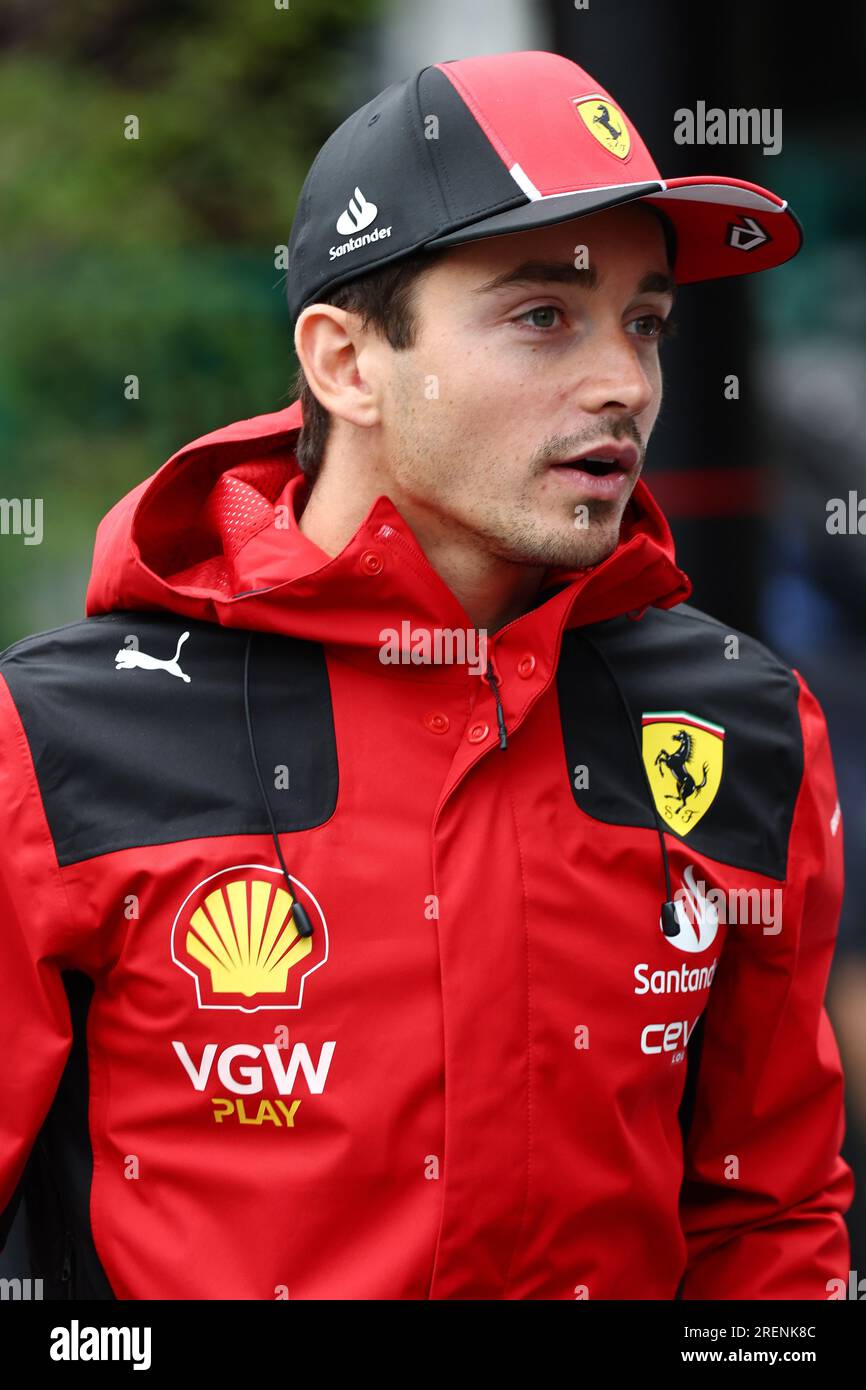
(683, 757)
(606, 124)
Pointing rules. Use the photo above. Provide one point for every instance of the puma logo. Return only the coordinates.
(127, 657)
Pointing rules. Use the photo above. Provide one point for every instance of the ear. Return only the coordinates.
(333, 349)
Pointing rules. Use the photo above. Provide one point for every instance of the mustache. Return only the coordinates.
(561, 445)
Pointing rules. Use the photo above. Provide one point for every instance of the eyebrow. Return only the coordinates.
(563, 272)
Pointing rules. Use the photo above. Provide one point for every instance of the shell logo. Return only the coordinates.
(235, 936)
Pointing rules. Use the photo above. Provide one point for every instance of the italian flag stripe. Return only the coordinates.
(680, 716)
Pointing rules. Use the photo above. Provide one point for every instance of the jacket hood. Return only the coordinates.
(213, 534)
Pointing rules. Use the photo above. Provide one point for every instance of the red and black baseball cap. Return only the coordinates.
(484, 146)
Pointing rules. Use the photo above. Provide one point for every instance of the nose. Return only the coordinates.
(616, 378)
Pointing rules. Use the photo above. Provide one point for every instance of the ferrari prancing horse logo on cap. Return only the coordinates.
(683, 756)
(605, 122)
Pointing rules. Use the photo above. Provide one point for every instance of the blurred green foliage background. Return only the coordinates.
(153, 257)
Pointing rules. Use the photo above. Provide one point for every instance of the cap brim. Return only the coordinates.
(723, 226)
(546, 211)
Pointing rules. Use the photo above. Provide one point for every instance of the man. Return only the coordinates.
(448, 903)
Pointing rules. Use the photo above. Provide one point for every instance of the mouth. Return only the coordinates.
(599, 468)
(602, 472)
(603, 460)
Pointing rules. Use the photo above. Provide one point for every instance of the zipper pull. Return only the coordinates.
(493, 681)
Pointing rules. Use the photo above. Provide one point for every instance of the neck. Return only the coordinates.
(491, 590)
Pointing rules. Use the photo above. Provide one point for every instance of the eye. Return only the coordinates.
(664, 328)
(539, 309)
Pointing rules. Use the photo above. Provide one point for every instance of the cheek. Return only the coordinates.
(477, 364)
(483, 387)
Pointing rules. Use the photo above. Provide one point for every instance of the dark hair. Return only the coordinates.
(383, 298)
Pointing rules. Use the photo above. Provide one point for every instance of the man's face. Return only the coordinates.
(504, 380)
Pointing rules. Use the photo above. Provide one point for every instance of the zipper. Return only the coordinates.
(58, 1216)
(493, 681)
(66, 1272)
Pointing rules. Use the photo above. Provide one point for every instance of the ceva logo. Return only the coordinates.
(668, 1037)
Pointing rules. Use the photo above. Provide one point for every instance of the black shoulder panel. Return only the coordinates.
(675, 660)
(127, 756)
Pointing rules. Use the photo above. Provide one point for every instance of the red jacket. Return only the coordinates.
(488, 1072)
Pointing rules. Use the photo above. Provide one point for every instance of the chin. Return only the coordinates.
(556, 545)
(594, 544)
(607, 544)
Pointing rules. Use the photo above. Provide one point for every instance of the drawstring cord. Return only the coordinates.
(670, 925)
(493, 681)
(300, 918)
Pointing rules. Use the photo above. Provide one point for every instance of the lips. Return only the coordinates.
(605, 472)
(602, 460)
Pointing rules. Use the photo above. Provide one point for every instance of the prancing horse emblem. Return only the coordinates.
(605, 123)
(676, 763)
(682, 749)
(603, 118)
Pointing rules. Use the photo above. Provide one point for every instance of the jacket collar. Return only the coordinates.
(214, 535)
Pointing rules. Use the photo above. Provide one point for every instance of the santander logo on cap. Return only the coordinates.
(357, 216)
